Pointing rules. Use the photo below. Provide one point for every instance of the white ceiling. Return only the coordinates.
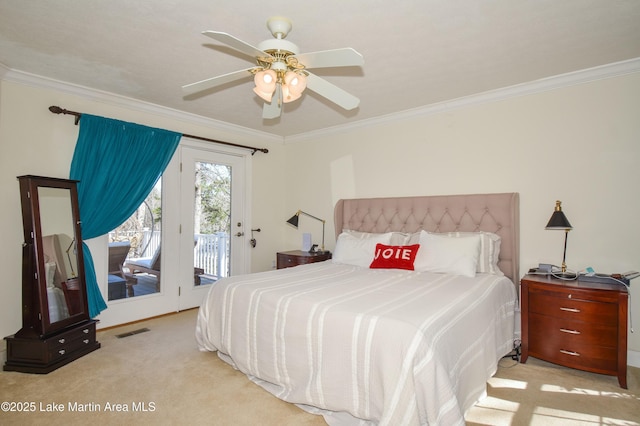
(417, 52)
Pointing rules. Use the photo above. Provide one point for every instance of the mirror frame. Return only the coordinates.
(35, 307)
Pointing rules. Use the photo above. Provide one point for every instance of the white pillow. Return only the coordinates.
(397, 238)
(414, 238)
(358, 250)
(441, 253)
(489, 251)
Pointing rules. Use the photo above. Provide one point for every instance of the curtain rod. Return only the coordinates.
(57, 110)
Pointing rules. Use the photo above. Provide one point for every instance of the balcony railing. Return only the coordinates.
(210, 251)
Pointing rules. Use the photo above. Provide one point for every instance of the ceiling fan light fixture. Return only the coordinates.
(296, 82)
(264, 95)
(294, 85)
(288, 95)
(265, 81)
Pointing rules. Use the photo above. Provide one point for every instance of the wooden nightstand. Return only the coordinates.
(576, 324)
(287, 259)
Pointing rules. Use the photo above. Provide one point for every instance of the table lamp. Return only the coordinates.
(559, 221)
(294, 222)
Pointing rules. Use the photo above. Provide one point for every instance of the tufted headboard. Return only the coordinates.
(497, 213)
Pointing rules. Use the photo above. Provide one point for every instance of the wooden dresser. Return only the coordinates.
(56, 325)
(41, 356)
(287, 259)
(575, 324)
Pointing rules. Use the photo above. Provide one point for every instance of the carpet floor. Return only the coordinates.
(159, 377)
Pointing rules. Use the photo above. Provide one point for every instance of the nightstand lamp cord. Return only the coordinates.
(630, 317)
(628, 286)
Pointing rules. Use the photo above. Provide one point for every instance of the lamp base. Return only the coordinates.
(564, 275)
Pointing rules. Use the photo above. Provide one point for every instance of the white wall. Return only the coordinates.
(579, 144)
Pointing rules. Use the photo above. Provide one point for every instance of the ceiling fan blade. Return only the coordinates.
(236, 43)
(333, 93)
(209, 83)
(345, 57)
(274, 109)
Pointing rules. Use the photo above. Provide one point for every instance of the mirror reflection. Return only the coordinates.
(59, 250)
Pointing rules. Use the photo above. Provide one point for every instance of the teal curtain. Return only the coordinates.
(117, 165)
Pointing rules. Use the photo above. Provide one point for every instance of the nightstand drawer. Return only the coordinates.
(549, 329)
(573, 309)
(574, 354)
(287, 259)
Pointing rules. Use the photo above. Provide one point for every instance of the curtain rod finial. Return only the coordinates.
(57, 110)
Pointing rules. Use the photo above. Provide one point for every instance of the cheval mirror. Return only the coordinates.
(56, 328)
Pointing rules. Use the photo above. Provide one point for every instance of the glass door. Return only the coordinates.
(213, 233)
(134, 251)
(139, 257)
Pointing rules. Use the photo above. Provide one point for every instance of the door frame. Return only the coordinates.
(191, 295)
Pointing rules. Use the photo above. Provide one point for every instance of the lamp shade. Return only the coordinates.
(288, 95)
(294, 85)
(265, 82)
(296, 82)
(558, 220)
(294, 220)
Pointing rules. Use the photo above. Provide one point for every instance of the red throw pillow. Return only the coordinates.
(394, 257)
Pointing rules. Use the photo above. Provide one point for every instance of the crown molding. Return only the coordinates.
(37, 81)
(612, 70)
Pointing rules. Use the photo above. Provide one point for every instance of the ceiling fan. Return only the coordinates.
(282, 72)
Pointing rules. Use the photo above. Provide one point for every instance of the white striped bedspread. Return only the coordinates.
(366, 346)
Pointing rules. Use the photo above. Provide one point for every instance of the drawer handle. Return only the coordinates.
(85, 331)
(61, 351)
(569, 352)
(570, 310)
(86, 341)
(61, 341)
(566, 330)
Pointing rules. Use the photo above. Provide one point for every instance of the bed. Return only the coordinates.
(408, 335)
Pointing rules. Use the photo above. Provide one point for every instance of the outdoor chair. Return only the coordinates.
(151, 265)
(118, 252)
